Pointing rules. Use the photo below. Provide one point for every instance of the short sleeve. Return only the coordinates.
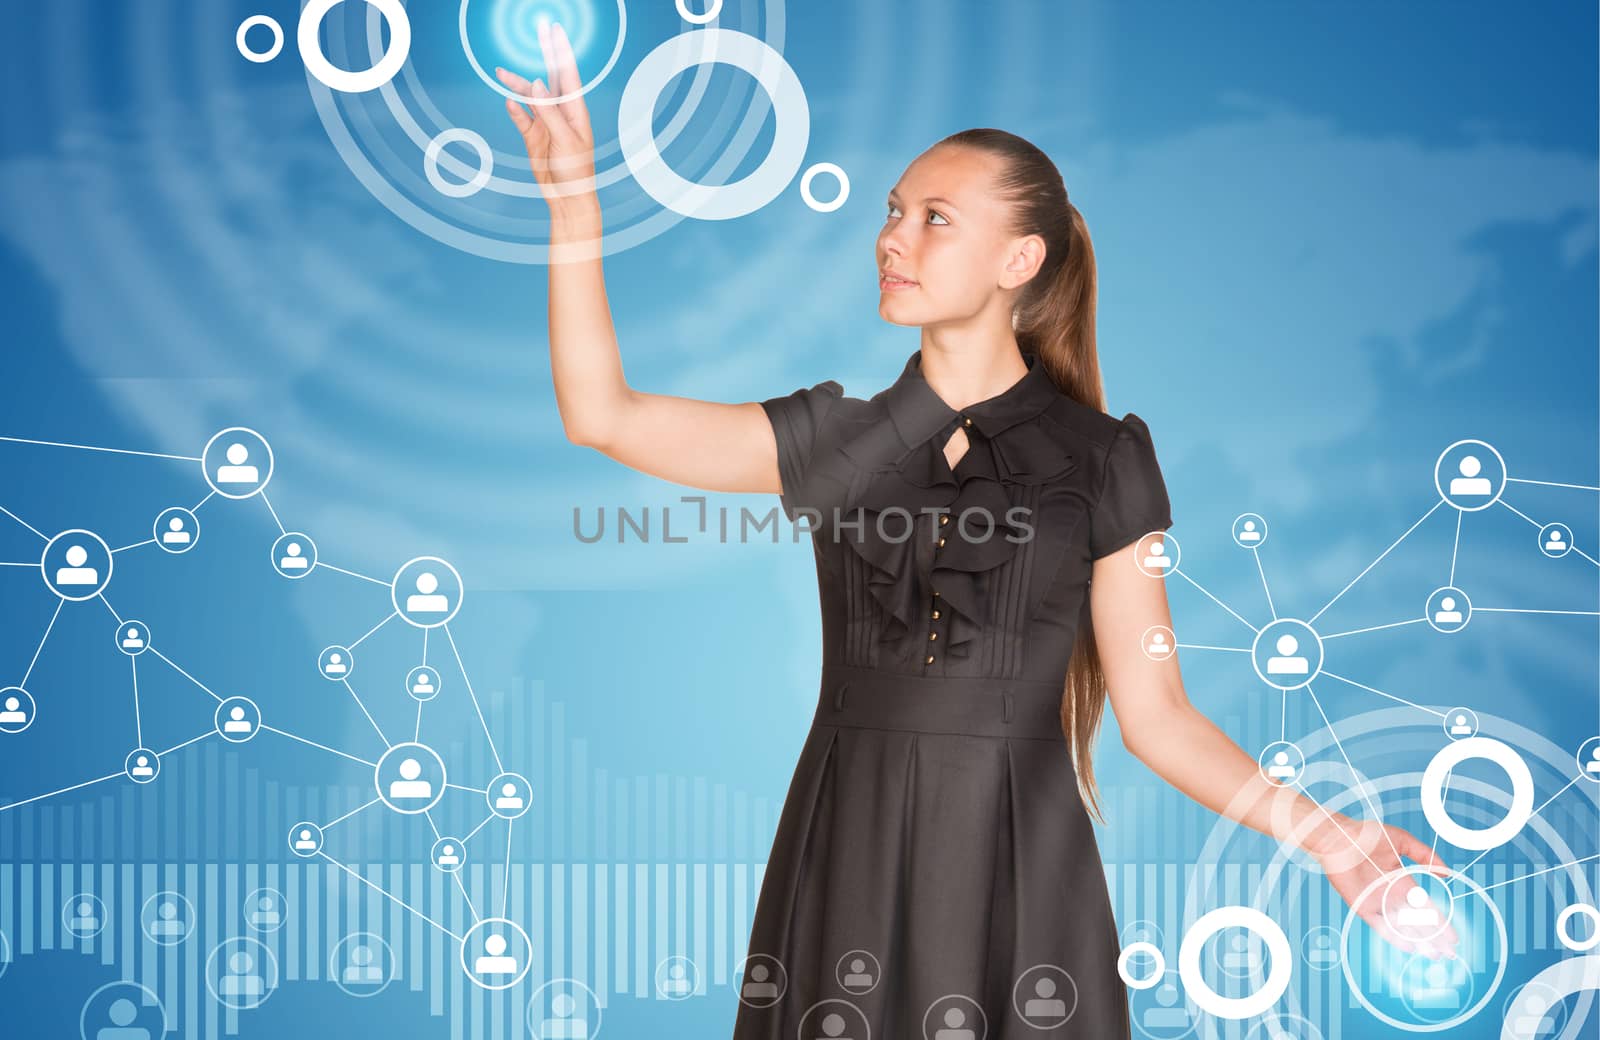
(1133, 496)
(796, 420)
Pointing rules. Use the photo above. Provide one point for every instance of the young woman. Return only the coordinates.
(975, 526)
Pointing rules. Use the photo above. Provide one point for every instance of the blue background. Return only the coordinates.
(1332, 240)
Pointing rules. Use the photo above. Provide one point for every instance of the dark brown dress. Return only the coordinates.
(934, 867)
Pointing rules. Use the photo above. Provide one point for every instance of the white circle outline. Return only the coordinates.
(1275, 746)
(335, 78)
(1311, 673)
(315, 829)
(1200, 991)
(261, 485)
(1258, 518)
(132, 623)
(377, 778)
(1427, 609)
(527, 959)
(78, 897)
(33, 710)
(1504, 473)
(1415, 960)
(279, 546)
(127, 765)
(877, 972)
(1138, 554)
(263, 929)
(1064, 973)
(1564, 530)
(433, 854)
(464, 189)
(1578, 945)
(744, 974)
(188, 927)
(554, 99)
(83, 1020)
(338, 976)
(1132, 950)
(5, 954)
(349, 662)
(1333, 945)
(394, 591)
(105, 579)
(1417, 871)
(694, 976)
(250, 23)
(523, 785)
(983, 1019)
(1144, 642)
(867, 1026)
(816, 170)
(194, 539)
(711, 12)
(1583, 769)
(411, 682)
(1459, 709)
(266, 989)
(250, 705)
(594, 1005)
(1491, 750)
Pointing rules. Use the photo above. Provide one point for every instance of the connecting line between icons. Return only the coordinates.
(312, 743)
(102, 598)
(1256, 552)
(1541, 527)
(1551, 483)
(1353, 843)
(416, 738)
(463, 668)
(386, 743)
(1380, 693)
(42, 639)
(340, 570)
(1365, 795)
(388, 895)
(24, 523)
(1376, 628)
(1539, 873)
(191, 740)
(64, 790)
(1283, 728)
(138, 725)
(346, 816)
(1313, 618)
(185, 674)
(1456, 548)
(135, 545)
(196, 507)
(505, 878)
(1180, 573)
(476, 829)
(90, 447)
(1519, 610)
(1200, 646)
(268, 503)
(373, 629)
(469, 790)
(1531, 815)
(476, 917)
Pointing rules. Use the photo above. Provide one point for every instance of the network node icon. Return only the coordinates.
(76, 565)
(1249, 530)
(142, 765)
(237, 462)
(1156, 554)
(361, 964)
(426, 591)
(83, 915)
(133, 637)
(336, 663)
(176, 530)
(305, 839)
(410, 778)
(496, 953)
(122, 1009)
(1287, 654)
(1470, 475)
(1282, 763)
(1460, 722)
(1555, 540)
(167, 918)
(1158, 642)
(16, 709)
(241, 973)
(238, 719)
(568, 1008)
(448, 854)
(509, 795)
(1588, 759)
(423, 683)
(1448, 609)
(294, 555)
(1417, 904)
(677, 978)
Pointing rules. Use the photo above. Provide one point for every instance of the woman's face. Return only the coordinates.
(945, 231)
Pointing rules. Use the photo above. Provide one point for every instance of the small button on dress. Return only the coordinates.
(933, 827)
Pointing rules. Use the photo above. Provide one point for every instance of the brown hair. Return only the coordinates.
(1055, 321)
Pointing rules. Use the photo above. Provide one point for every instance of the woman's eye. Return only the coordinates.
(936, 213)
(891, 209)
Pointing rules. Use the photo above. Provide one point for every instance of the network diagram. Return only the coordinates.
(409, 778)
(1418, 905)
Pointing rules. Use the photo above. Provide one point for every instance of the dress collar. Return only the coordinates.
(919, 413)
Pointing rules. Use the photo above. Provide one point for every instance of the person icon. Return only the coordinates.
(166, 923)
(427, 600)
(142, 767)
(1287, 661)
(1044, 1003)
(362, 970)
(175, 534)
(677, 984)
(75, 573)
(1322, 954)
(85, 921)
(265, 913)
(132, 640)
(448, 857)
(305, 842)
(1418, 911)
(1249, 533)
(237, 723)
(1470, 482)
(1531, 1020)
(1447, 614)
(1592, 766)
(336, 665)
(759, 985)
(564, 1026)
(833, 1027)
(495, 960)
(13, 713)
(858, 976)
(1158, 558)
(955, 1026)
(1238, 956)
(121, 1014)
(1280, 769)
(293, 558)
(237, 471)
(509, 798)
(241, 979)
(1556, 542)
(1158, 646)
(1438, 992)
(1459, 727)
(1169, 1015)
(409, 786)
(424, 683)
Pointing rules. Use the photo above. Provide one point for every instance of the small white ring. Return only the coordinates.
(244, 30)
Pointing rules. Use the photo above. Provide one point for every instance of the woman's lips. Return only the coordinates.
(887, 283)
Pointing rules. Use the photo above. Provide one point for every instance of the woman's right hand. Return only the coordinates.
(557, 134)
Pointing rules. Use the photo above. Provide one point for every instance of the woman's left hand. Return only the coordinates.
(1356, 853)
